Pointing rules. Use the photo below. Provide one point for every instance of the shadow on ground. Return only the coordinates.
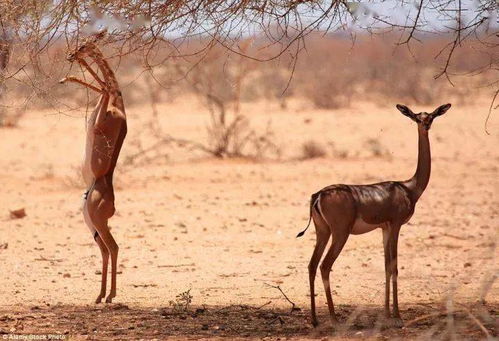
(120, 322)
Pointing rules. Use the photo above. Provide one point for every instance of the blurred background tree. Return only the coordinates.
(153, 33)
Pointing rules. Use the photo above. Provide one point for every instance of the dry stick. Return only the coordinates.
(455, 237)
(424, 317)
(490, 111)
(48, 260)
(294, 306)
(278, 318)
(175, 265)
(477, 322)
(263, 305)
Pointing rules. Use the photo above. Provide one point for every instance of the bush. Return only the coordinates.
(311, 150)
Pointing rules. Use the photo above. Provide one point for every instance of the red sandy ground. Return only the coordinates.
(226, 228)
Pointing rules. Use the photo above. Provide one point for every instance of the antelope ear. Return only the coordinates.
(405, 110)
(441, 109)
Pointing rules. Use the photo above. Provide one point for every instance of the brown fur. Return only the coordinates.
(341, 210)
(106, 131)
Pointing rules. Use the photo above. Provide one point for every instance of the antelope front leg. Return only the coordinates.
(386, 248)
(79, 81)
(394, 271)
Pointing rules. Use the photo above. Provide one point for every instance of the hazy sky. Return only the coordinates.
(431, 18)
(436, 16)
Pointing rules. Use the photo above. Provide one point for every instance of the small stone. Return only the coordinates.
(18, 214)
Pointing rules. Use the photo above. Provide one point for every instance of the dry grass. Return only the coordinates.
(312, 149)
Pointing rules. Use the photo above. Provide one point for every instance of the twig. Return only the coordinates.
(490, 111)
(47, 259)
(455, 237)
(278, 318)
(264, 305)
(424, 317)
(294, 306)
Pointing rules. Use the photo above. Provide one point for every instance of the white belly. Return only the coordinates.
(86, 216)
(360, 226)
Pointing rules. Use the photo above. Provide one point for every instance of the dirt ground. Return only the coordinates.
(225, 229)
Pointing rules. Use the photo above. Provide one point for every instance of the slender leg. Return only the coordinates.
(105, 261)
(323, 234)
(394, 268)
(101, 208)
(386, 247)
(108, 240)
(339, 240)
(79, 81)
(113, 249)
(84, 63)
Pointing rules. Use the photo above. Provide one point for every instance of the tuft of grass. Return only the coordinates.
(376, 148)
(312, 149)
(181, 302)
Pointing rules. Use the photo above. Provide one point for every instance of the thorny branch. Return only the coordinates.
(141, 26)
(34, 28)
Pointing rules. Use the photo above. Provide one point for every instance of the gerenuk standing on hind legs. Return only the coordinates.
(341, 210)
(106, 131)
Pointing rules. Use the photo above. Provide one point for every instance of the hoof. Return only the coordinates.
(98, 300)
(109, 299)
(315, 323)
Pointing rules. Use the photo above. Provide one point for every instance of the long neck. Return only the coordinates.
(107, 73)
(417, 184)
(103, 65)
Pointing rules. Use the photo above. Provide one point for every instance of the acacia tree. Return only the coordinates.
(142, 25)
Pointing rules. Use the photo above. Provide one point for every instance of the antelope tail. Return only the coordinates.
(313, 201)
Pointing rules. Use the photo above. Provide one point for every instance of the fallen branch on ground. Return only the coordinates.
(294, 306)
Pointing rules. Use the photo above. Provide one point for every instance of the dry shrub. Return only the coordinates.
(334, 70)
(330, 73)
(230, 135)
(219, 81)
(272, 83)
(324, 76)
(376, 148)
(10, 117)
(312, 149)
(11, 111)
